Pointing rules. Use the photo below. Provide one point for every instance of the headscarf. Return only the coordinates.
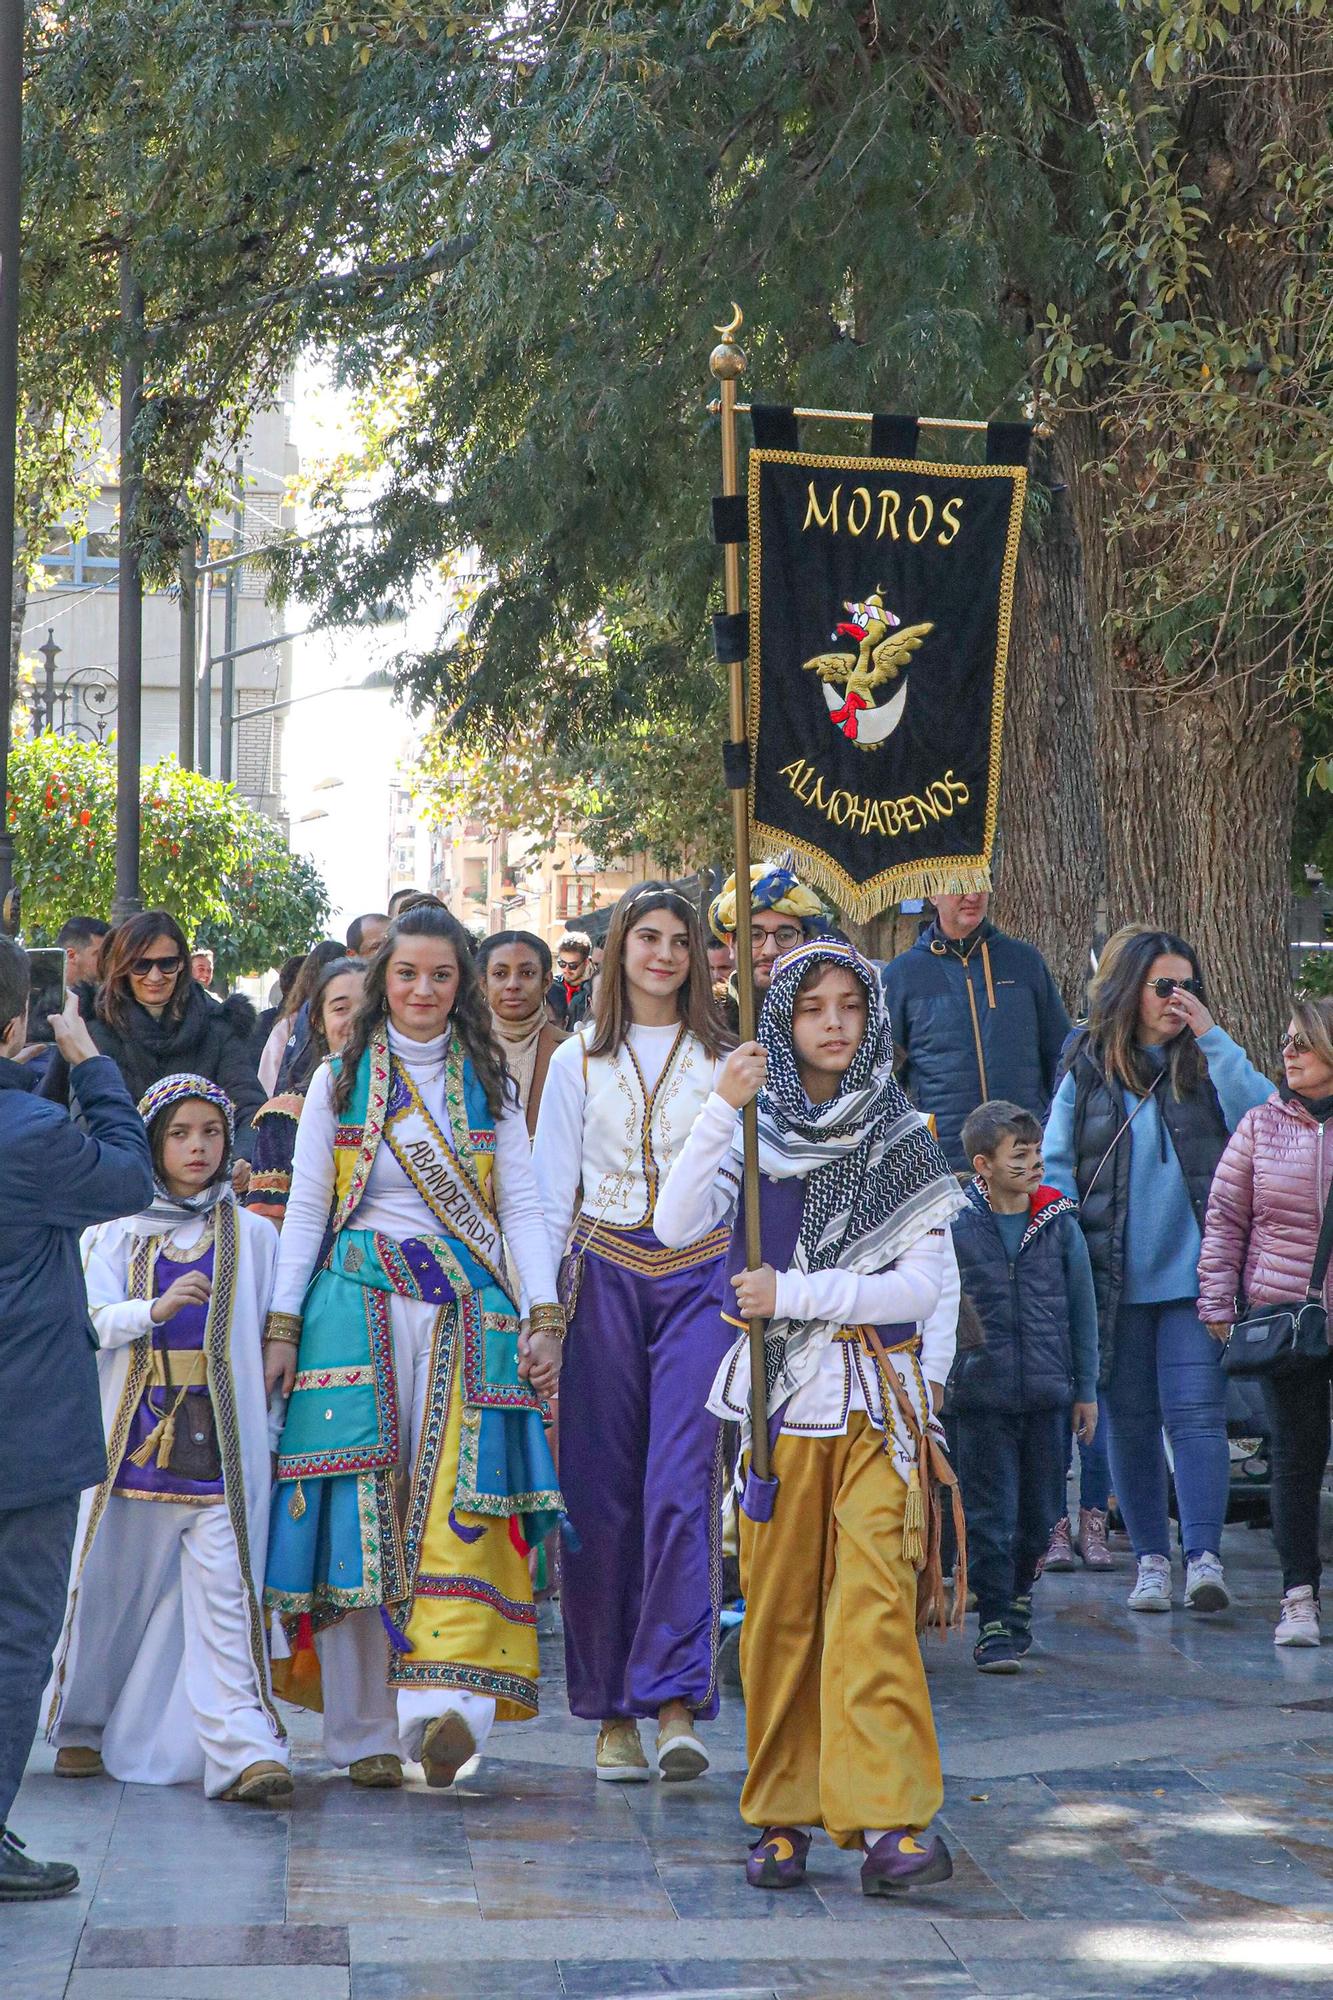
(169, 1210)
(878, 1181)
(773, 886)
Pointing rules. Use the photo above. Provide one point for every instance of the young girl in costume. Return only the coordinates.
(855, 1202)
(640, 1455)
(334, 999)
(413, 1471)
(161, 1675)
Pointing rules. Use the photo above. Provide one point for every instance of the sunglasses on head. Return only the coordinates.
(141, 968)
(1164, 988)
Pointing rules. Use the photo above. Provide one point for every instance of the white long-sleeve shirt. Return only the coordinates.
(923, 1286)
(391, 1204)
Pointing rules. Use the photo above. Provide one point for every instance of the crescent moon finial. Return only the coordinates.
(737, 322)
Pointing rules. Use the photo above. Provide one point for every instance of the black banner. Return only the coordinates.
(881, 591)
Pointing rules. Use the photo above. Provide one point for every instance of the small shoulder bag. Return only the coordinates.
(1283, 1339)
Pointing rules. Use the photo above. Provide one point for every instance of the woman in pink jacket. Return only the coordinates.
(1264, 1212)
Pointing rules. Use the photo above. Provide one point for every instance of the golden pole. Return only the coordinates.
(727, 364)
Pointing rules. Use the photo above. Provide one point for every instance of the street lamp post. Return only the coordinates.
(11, 195)
(129, 669)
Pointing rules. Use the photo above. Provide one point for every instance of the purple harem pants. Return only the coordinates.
(641, 1472)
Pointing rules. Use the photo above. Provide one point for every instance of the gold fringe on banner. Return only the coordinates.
(862, 902)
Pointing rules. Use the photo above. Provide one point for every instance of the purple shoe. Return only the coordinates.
(901, 1860)
(777, 1859)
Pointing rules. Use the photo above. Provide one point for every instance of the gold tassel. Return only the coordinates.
(914, 1522)
(150, 1444)
(296, 1505)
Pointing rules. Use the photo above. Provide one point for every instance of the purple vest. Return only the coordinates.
(185, 1330)
(781, 1207)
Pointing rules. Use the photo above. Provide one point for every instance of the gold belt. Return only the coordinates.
(192, 1373)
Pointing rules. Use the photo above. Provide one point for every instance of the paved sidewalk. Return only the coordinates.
(1147, 1810)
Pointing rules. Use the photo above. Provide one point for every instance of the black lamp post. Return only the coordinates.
(11, 175)
(44, 699)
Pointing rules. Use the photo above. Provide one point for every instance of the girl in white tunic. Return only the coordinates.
(161, 1675)
(640, 1457)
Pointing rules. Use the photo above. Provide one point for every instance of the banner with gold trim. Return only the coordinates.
(881, 597)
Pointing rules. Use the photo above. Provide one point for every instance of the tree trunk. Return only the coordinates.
(1049, 857)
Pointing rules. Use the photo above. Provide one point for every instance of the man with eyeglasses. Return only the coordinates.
(783, 913)
(977, 1016)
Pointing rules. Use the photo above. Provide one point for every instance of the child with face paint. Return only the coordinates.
(856, 1198)
(161, 1676)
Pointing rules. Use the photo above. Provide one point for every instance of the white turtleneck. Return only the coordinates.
(390, 1203)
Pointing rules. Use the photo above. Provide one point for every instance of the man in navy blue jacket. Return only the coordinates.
(55, 1180)
(976, 1015)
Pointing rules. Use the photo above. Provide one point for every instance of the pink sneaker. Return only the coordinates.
(1060, 1551)
(1091, 1539)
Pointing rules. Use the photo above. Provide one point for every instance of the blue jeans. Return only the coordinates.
(1094, 1466)
(36, 1544)
(1167, 1374)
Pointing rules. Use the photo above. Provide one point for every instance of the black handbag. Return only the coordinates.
(1282, 1339)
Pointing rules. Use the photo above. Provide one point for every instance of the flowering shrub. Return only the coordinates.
(220, 868)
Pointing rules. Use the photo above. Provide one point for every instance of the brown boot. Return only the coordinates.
(380, 1773)
(77, 1762)
(264, 1784)
(447, 1745)
(1060, 1552)
(1091, 1539)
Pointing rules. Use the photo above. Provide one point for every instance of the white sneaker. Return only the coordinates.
(1152, 1591)
(1205, 1586)
(1298, 1624)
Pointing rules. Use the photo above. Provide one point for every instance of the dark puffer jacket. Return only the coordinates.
(1198, 1130)
(976, 1019)
(1027, 1359)
(208, 1040)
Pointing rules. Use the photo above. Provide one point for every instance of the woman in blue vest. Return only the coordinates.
(1153, 1090)
(413, 1471)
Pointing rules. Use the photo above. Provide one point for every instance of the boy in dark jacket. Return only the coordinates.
(1027, 1352)
(55, 1180)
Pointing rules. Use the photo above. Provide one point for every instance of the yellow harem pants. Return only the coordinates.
(838, 1726)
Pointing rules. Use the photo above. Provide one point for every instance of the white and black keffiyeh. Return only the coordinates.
(878, 1182)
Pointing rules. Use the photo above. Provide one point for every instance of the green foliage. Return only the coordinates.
(204, 855)
(275, 904)
(1314, 975)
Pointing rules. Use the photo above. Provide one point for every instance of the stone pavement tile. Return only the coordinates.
(225, 1944)
(710, 1892)
(893, 1938)
(276, 1982)
(702, 1979)
(37, 1945)
(437, 1979)
(201, 1853)
(542, 1887)
(367, 1855)
(1196, 1853)
(1040, 1854)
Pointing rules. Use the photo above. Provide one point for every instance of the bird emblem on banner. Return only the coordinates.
(883, 652)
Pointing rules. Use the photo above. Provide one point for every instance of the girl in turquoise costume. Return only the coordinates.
(413, 1471)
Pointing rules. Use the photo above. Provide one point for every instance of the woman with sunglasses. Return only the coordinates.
(153, 1020)
(1259, 1244)
(1151, 1094)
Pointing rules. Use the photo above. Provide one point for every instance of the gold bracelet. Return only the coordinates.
(284, 1327)
(547, 1319)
